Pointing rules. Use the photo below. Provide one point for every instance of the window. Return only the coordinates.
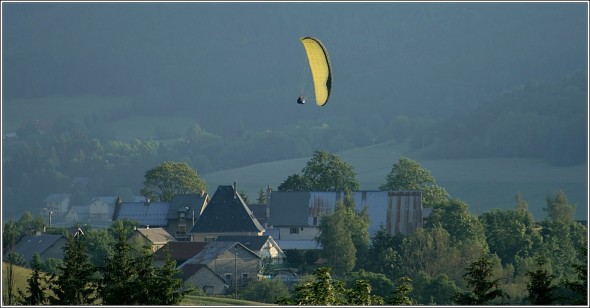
(294, 231)
(209, 239)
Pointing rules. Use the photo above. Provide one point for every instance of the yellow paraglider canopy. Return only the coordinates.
(321, 69)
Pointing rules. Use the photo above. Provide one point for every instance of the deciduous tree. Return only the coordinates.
(558, 208)
(323, 172)
(407, 174)
(171, 178)
(336, 239)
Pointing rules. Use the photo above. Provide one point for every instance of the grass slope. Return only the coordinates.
(218, 301)
(21, 274)
(484, 184)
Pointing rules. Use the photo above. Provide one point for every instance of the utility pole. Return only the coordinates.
(236, 272)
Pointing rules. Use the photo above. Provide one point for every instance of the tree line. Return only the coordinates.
(499, 257)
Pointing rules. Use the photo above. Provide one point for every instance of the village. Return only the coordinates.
(219, 241)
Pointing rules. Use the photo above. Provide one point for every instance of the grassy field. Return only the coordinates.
(218, 301)
(21, 275)
(483, 183)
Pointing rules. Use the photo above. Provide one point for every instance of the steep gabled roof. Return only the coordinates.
(28, 245)
(226, 212)
(156, 235)
(214, 249)
(254, 243)
(194, 202)
(180, 251)
(190, 269)
(146, 214)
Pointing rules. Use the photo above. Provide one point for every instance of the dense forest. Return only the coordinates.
(79, 156)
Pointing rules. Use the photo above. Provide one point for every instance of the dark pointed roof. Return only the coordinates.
(227, 212)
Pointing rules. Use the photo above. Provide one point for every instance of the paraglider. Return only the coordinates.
(301, 100)
(321, 70)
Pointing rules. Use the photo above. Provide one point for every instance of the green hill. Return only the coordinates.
(21, 274)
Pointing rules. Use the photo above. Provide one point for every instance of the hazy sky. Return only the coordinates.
(247, 58)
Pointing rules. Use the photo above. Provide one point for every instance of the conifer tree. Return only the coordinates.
(168, 286)
(74, 283)
(480, 279)
(118, 273)
(540, 287)
(37, 285)
(401, 293)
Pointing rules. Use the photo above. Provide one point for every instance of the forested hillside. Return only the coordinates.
(545, 120)
(538, 120)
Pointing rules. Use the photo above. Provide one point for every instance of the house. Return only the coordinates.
(56, 204)
(180, 251)
(155, 237)
(264, 246)
(47, 245)
(232, 261)
(102, 208)
(225, 214)
(203, 277)
(78, 214)
(184, 210)
(146, 213)
(295, 216)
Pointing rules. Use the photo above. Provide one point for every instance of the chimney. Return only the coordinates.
(268, 196)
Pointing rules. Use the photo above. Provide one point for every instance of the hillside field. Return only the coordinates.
(484, 184)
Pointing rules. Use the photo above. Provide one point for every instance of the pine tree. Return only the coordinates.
(144, 292)
(401, 294)
(37, 285)
(323, 291)
(118, 273)
(168, 286)
(540, 287)
(74, 283)
(360, 295)
(484, 287)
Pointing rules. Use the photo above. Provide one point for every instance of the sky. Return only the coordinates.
(243, 61)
